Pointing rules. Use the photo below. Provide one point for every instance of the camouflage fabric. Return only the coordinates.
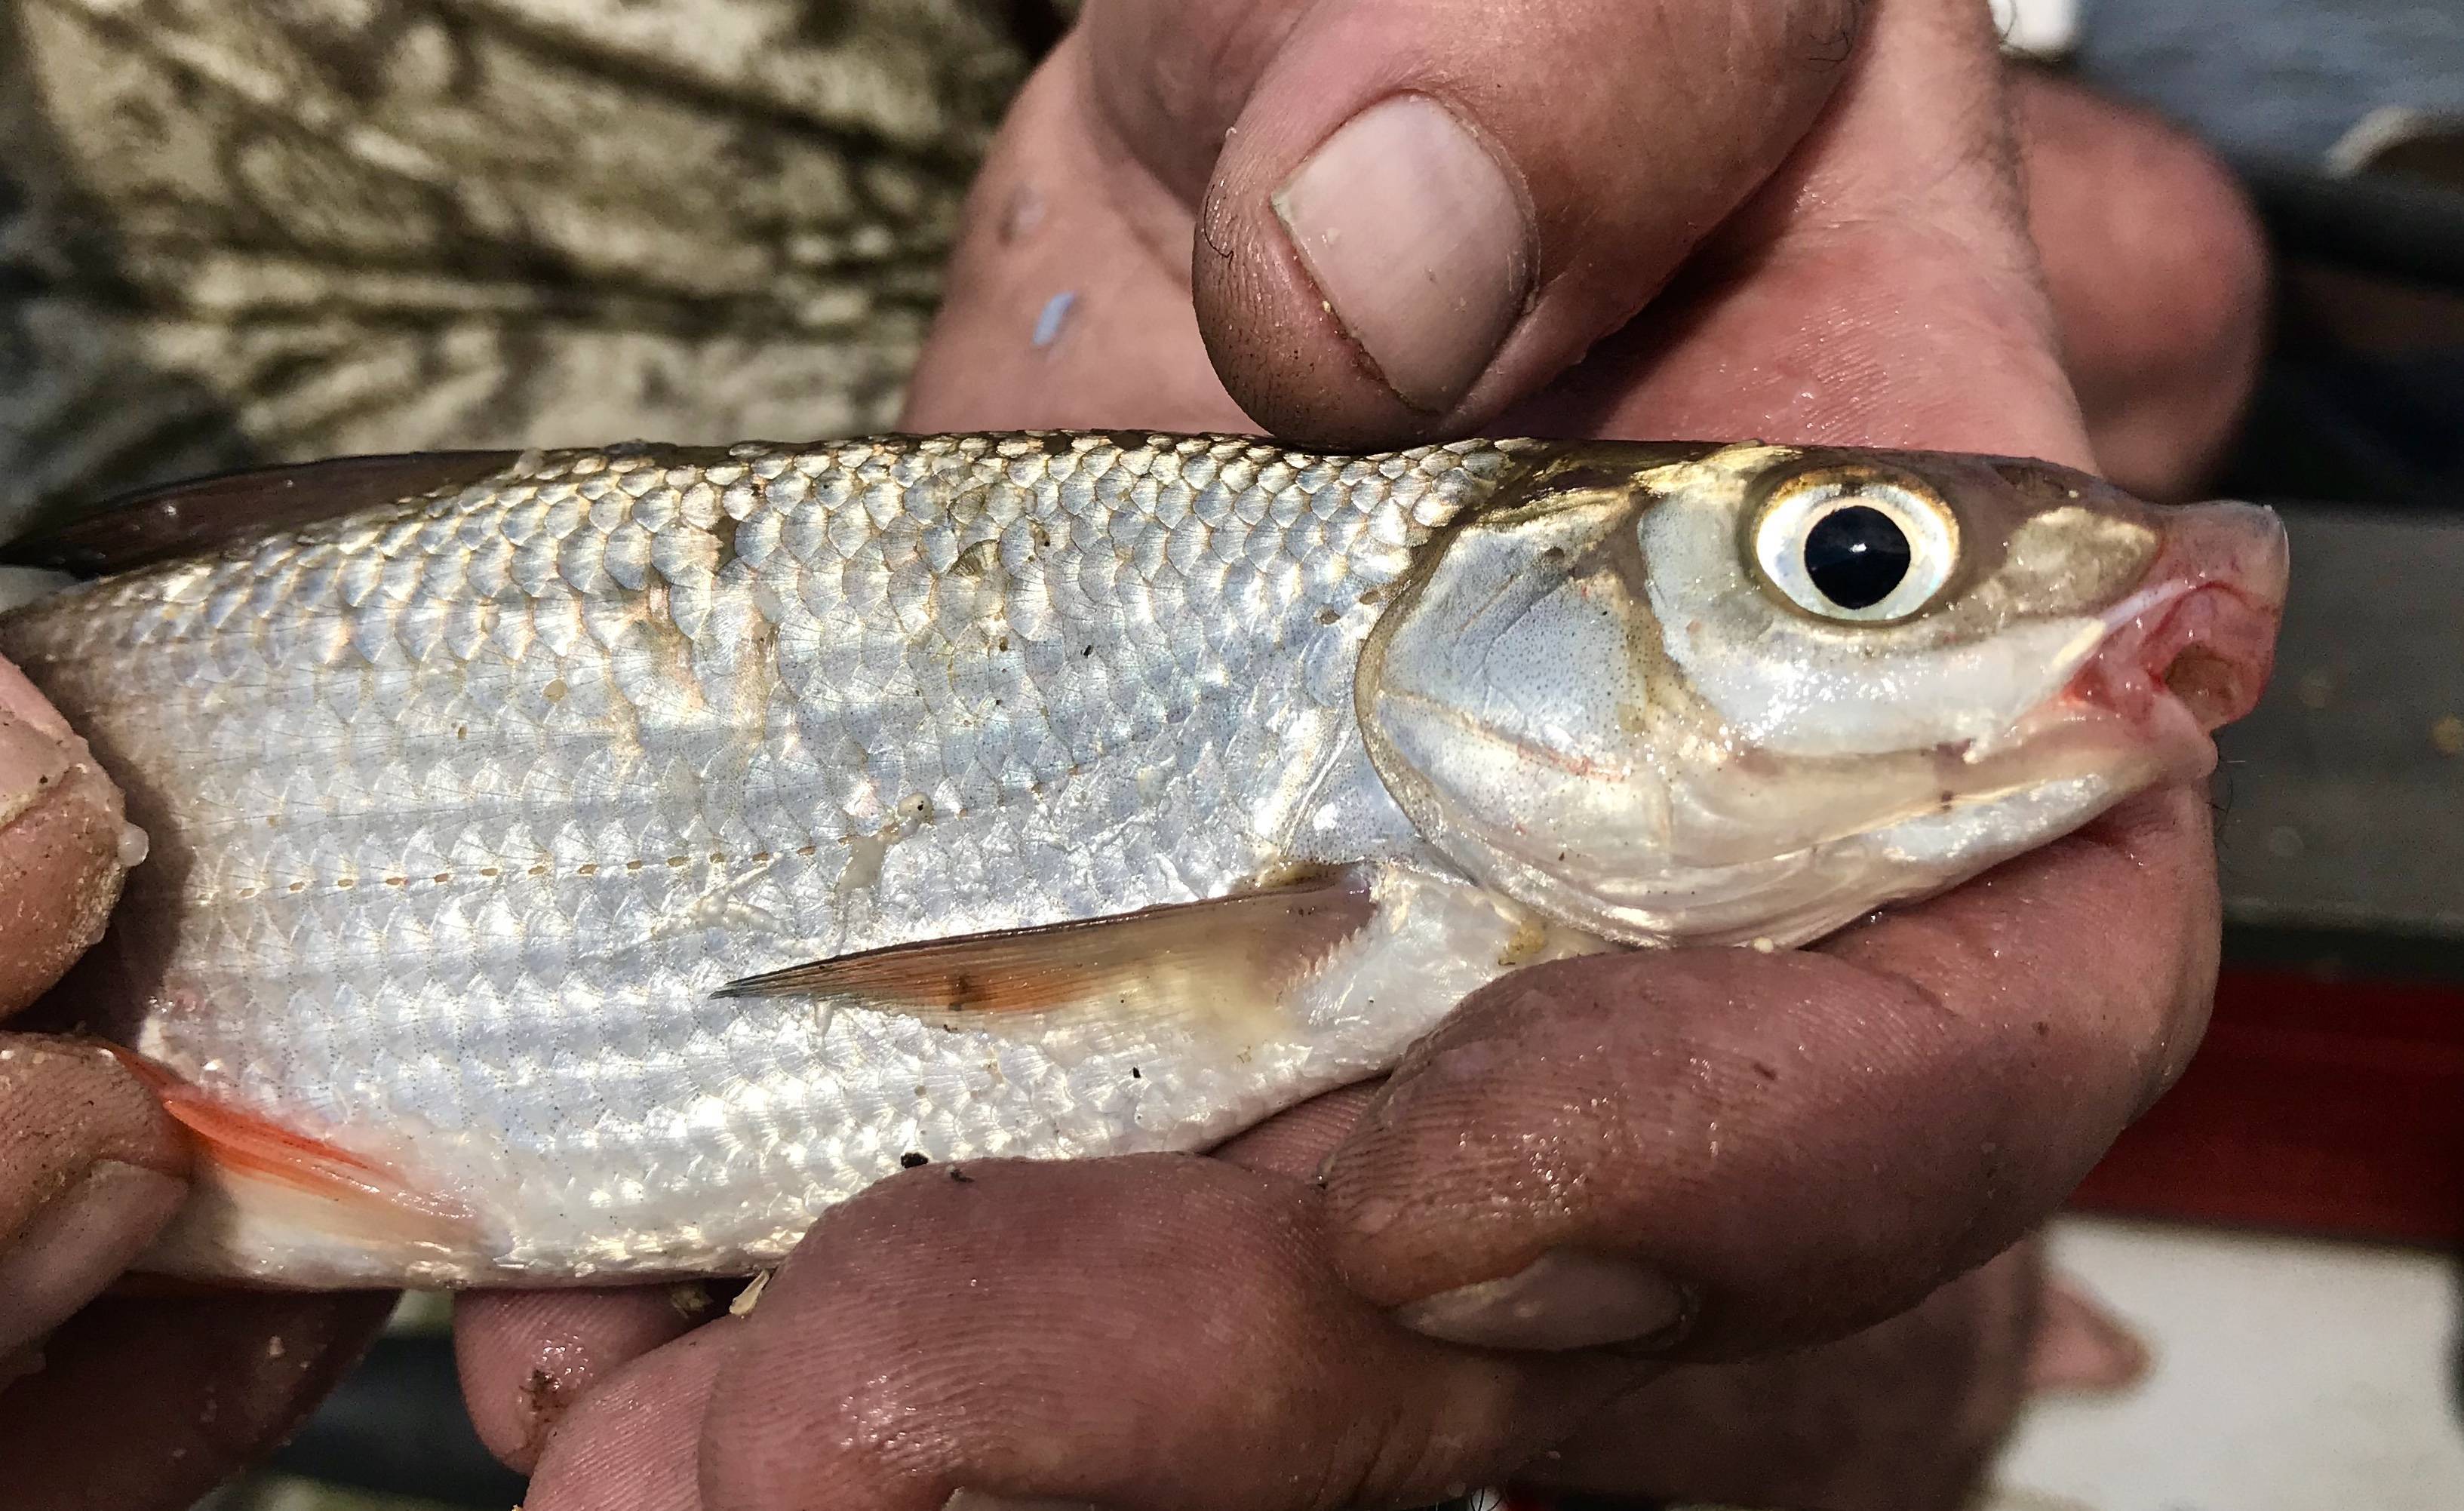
(243, 231)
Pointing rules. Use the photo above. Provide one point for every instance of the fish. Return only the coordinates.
(592, 864)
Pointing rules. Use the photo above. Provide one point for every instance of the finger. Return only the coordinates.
(1799, 1144)
(90, 1169)
(525, 1357)
(1152, 1330)
(60, 844)
(1422, 211)
(1296, 1141)
(632, 1444)
(1392, 216)
(1879, 290)
(1904, 1416)
(2158, 272)
(147, 1405)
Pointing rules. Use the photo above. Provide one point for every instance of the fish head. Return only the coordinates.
(1751, 692)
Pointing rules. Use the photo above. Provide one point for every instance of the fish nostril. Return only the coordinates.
(2208, 685)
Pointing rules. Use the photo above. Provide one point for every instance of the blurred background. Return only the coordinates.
(233, 234)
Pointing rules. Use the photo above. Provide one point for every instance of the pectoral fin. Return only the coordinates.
(1225, 959)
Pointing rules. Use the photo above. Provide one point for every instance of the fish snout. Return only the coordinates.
(2240, 547)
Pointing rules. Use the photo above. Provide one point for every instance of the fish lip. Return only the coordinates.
(2185, 652)
(2199, 634)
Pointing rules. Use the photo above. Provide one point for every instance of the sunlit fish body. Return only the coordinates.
(597, 867)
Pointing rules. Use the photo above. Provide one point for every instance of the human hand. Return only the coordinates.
(127, 1402)
(1796, 221)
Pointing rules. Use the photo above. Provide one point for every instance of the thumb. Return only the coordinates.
(89, 1167)
(1410, 213)
(60, 840)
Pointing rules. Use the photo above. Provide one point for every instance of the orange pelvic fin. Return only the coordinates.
(248, 1148)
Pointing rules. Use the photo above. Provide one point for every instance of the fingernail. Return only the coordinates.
(1416, 239)
(977, 1501)
(78, 1243)
(1561, 1299)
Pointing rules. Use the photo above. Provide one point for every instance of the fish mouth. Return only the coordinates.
(2190, 650)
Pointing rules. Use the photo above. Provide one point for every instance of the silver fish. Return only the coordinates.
(596, 868)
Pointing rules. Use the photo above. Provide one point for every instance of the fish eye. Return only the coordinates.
(1855, 546)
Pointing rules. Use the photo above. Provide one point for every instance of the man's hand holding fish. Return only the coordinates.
(1493, 923)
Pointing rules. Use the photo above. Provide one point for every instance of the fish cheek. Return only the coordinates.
(1506, 702)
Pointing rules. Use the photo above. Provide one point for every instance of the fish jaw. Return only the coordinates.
(2186, 652)
(2185, 655)
(2194, 646)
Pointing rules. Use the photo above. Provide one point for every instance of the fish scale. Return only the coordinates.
(505, 784)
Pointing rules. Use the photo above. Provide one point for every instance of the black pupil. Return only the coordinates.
(1856, 556)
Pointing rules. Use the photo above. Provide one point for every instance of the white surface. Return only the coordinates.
(2289, 1376)
(2039, 28)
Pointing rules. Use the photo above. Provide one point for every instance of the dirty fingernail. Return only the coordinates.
(1561, 1299)
(77, 1243)
(977, 1501)
(1417, 241)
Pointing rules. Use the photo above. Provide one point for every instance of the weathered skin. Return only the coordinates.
(464, 809)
